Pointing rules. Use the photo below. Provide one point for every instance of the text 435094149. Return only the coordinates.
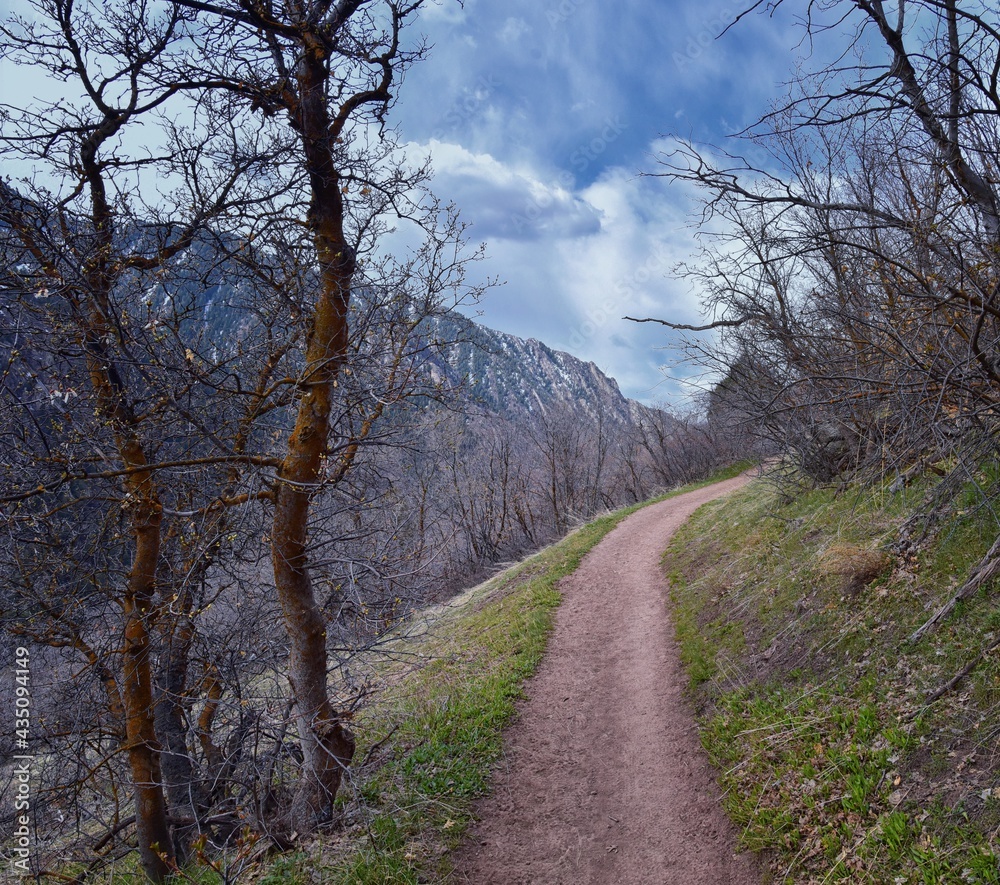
(22, 763)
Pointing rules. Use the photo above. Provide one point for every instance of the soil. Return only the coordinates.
(604, 779)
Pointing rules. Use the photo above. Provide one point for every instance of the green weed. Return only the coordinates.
(792, 612)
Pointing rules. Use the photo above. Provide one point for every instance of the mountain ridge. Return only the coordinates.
(520, 377)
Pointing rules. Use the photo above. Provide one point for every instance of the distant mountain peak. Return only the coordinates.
(512, 376)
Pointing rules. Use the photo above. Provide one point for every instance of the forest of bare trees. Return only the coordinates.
(851, 256)
(140, 441)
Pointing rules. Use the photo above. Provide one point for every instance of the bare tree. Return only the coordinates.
(851, 284)
(324, 73)
(865, 261)
(80, 257)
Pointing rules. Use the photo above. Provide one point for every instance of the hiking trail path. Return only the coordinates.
(604, 779)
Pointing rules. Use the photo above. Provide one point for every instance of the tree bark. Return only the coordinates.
(185, 792)
(153, 833)
(146, 516)
(155, 847)
(327, 744)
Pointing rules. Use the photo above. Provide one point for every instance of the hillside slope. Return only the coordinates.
(845, 750)
(438, 696)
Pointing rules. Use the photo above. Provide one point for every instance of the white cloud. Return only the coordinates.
(577, 260)
(503, 201)
(537, 134)
(626, 270)
(513, 30)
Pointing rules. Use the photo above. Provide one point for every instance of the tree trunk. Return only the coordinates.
(146, 515)
(327, 744)
(184, 790)
(155, 847)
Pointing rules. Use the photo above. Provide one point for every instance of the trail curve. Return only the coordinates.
(604, 779)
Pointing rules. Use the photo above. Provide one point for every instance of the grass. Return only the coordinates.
(792, 608)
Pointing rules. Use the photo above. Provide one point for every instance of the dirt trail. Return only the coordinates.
(604, 779)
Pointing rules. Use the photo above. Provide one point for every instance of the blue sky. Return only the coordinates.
(539, 116)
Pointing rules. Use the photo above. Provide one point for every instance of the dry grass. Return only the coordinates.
(858, 566)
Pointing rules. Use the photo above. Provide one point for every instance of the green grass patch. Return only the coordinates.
(792, 607)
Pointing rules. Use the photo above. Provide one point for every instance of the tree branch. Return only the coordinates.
(717, 324)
